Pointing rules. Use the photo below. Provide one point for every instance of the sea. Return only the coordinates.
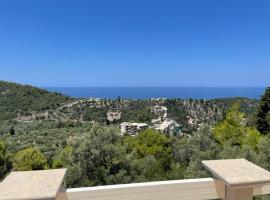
(160, 92)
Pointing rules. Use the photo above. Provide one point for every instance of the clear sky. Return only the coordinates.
(135, 42)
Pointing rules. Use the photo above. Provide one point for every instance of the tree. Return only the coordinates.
(29, 159)
(151, 169)
(252, 138)
(231, 128)
(263, 113)
(12, 131)
(234, 129)
(188, 152)
(4, 160)
(62, 159)
(99, 159)
(264, 152)
(151, 143)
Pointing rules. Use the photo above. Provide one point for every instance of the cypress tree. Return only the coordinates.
(12, 131)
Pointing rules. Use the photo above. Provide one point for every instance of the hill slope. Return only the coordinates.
(24, 100)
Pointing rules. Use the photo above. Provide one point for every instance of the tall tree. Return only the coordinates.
(263, 113)
(234, 129)
(12, 131)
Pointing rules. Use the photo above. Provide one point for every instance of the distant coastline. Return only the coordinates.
(160, 92)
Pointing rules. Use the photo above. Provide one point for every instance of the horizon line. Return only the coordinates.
(152, 86)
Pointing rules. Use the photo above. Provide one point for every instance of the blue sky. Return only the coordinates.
(135, 42)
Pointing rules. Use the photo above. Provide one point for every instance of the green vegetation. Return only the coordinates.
(263, 113)
(62, 159)
(17, 100)
(29, 159)
(151, 149)
(234, 129)
(138, 111)
(98, 159)
(75, 134)
(4, 161)
(96, 114)
(101, 156)
(206, 111)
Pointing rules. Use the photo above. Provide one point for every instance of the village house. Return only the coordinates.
(168, 126)
(113, 116)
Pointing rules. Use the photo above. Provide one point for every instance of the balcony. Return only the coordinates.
(235, 179)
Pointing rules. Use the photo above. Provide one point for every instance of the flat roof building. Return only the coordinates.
(132, 128)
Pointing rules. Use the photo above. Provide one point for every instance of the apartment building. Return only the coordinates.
(132, 128)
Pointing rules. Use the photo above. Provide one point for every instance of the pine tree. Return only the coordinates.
(263, 113)
(29, 159)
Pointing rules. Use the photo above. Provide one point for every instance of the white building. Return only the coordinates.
(132, 128)
(160, 111)
(168, 126)
(112, 116)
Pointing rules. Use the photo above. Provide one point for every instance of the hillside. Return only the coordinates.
(27, 103)
(191, 114)
(16, 99)
(63, 129)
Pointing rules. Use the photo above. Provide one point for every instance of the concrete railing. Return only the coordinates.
(190, 189)
(234, 180)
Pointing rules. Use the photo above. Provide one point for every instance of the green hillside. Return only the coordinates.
(24, 99)
(77, 135)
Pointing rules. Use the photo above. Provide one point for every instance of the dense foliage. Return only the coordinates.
(4, 161)
(101, 156)
(29, 159)
(17, 100)
(79, 138)
(263, 114)
(234, 128)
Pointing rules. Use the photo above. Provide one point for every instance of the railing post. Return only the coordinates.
(239, 176)
(62, 194)
(33, 185)
(238, 194)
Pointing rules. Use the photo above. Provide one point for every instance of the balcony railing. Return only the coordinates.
(48, 184)
(192, 189)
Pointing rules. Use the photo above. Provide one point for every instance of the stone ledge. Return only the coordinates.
(30, 185)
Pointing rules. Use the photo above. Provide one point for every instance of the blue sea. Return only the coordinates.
(160, 92)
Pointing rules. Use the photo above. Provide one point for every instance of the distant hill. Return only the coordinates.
(20, 101)
(16, 99)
